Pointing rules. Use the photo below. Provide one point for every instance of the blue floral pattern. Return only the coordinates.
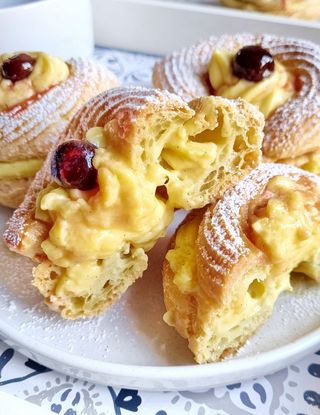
(294, 390)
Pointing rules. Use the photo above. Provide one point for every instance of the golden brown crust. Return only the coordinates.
(224, 247)
(29, 129)
(128, 109)
(44, 279)
(125, 113)
(294, 128)
(224, 254)
(120, 104)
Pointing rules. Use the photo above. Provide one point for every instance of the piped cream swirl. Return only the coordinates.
(47, 72)
(267, 95)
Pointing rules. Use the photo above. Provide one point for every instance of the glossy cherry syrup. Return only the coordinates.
(253, 63)
(71, 165)
(17, 67)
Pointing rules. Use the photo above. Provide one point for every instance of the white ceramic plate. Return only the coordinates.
(131, 346)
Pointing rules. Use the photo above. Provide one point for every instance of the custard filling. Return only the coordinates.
(312, 163)
(182, 258)
(288, 230)
(285, 227)
(21, 169)
(127, 211)
(48, 71)
(268, 94)
(228, 322)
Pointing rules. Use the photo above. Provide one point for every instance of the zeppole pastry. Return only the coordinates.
(301, 9)
(228, 263)
(38, 95)
(280, 76)
(126, 161)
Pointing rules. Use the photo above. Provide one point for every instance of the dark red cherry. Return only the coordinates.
(71, 165)
(17, 67)
(253, 63)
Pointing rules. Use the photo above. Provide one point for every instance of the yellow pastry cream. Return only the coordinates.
(287, 228)
(46, 71)
(139, 185)
(89, 226)
(309, 162)
(285, 225)
(268, 94)
(21, 169)
(182, 258)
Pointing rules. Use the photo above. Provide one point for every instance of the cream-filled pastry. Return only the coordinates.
(251, 73)
(300, 9)
(39, 93)
(281, 76)
(127, 160)
(228, 263)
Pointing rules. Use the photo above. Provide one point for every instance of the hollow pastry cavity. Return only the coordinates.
(303, 9)
(36, 109)
(154, 154)
(293, 129)
(227, 265)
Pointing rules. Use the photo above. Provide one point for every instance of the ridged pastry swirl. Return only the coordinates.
(29, 129)
(294, 128)
(158, 152)
(227, 264)
(303, 9)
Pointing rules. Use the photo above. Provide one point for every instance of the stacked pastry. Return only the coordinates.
(228, 263)
(39, 94)
(131, 156)
(301, 9)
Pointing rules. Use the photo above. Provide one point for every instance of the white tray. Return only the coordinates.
(159, 27)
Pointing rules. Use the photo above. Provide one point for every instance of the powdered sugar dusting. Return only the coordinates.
(295, 314)
(21, 127)
(122, 102)
(125, 333)
(294, 128)
(221, 223)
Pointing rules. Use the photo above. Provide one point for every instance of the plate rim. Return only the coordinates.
(298, 347)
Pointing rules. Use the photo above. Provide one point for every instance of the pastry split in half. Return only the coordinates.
(301, 9)
(281, 76)
(127, 160)
(39, 94)
(228, 263)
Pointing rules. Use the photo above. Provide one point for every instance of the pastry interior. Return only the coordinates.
(228, 264)
(289, 96)
(268, 95)
(94, 242)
